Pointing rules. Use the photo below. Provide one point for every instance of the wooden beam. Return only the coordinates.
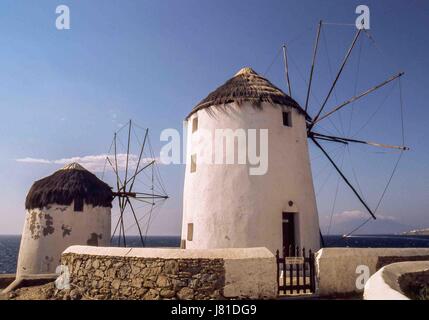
(343, 176)
(128, 154)
(358, 97)
(149, 164)
(346, 140)
(337, 77)
(316, 45)
(137, 222)
(287, 70)
(140, 157)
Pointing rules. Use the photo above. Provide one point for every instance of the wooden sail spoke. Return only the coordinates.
(287, 70)
(140, 158)
(347, 140)
(128, 155)
(336, 78)
(118, 179)
(155, 196)
(343, 176)
(357, 97)
(140, 170)
(137, 222)
(316, 45)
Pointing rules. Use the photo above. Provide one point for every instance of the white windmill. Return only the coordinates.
(223, 205)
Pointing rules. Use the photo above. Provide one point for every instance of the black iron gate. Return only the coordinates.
(295, 271)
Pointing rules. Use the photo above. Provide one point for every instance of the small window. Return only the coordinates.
(190, 231)
(287, 118)
(194, 124)
(182, 244)
(193, 163)
(78, 205)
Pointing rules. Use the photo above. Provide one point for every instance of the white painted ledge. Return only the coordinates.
(168, 253)
(384, 285)
(336, 267)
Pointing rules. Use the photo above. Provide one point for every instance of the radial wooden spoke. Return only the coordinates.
(138, 162)
(116, 161)
(114, 170)
(139, 194)
(287, 70)
(124, 204)
(137, 222)
(316, 45)
(149, 164)
(116, 228)
(128, 155)
(358, 97)
(337, 77)
(343, 176)
(153, 197)
(347, 140)
(330, 139)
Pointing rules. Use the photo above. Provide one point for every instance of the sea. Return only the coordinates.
(9, 244)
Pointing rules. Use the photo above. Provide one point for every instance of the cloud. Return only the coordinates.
(95, 163)
(33, 160)
(350, 215)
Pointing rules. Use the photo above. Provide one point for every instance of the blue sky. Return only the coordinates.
(64, 93)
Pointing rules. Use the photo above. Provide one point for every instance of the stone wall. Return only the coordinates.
(149, 274)
(145, 278)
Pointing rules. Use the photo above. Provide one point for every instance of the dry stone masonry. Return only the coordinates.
(107, 277)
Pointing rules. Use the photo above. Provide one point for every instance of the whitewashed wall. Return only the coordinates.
(49, 231)
(337, 267)
(230, 208)
(384, 284)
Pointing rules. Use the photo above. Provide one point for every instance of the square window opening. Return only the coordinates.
(78, 205)
(190, 231)
(194, 124)
(193, 163)
(287, 118)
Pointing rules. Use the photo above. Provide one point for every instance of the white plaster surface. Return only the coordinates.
(44, 238)
(336, 267)
(230, 208)
(384, 285)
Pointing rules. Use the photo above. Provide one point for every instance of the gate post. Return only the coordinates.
(278, 271)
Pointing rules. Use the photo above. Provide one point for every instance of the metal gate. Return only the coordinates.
(295, 271)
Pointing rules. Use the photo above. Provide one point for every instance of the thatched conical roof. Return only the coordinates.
(71, 183)
(247, 86)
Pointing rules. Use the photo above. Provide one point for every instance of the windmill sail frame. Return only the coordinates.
(125, 192)
(313, 121)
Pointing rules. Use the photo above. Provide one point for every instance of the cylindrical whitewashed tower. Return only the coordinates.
(248, 203)
(70, 207)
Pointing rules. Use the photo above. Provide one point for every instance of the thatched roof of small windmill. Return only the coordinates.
(71, 183)
(247, 86)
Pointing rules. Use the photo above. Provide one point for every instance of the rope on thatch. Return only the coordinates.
(247, 86)
(70, 184)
